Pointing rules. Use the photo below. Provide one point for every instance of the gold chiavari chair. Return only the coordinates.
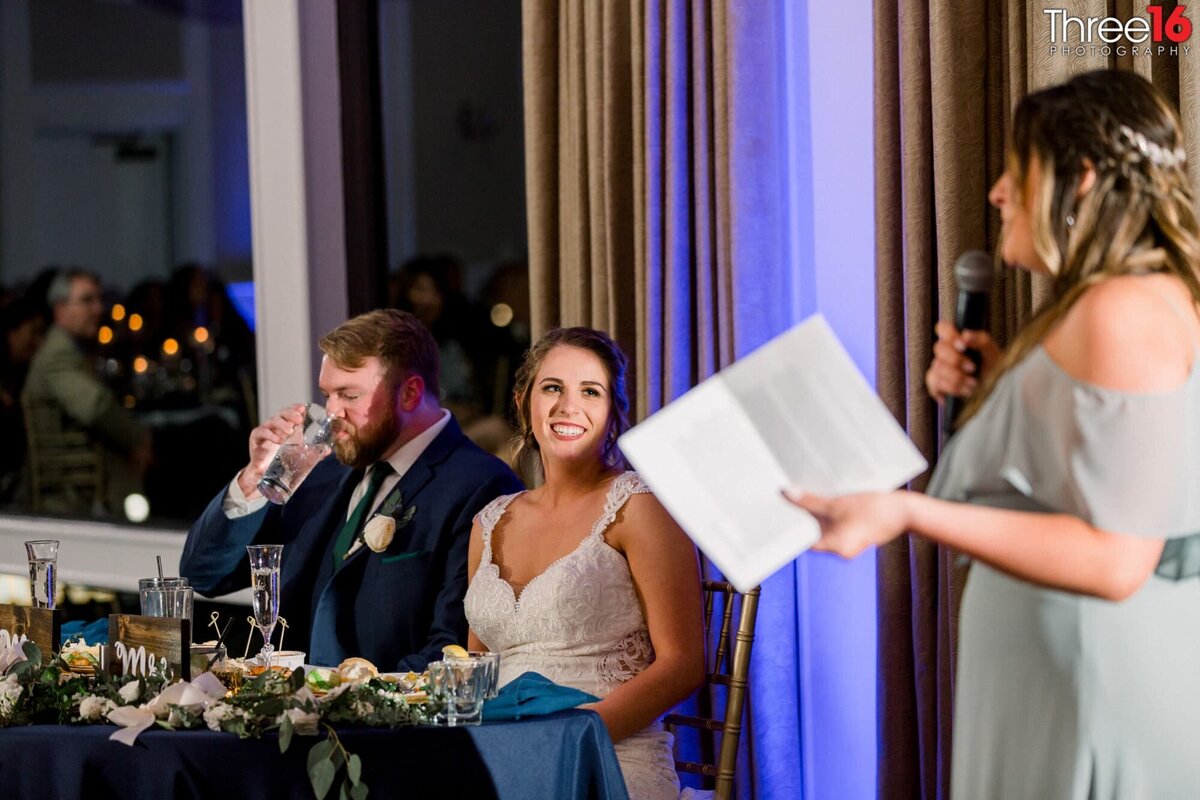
(728, 674)
(60, 459)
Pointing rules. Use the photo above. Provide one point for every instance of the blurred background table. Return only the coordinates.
(561, 756)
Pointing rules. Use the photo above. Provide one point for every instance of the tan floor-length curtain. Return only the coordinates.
(626, 151)
(654, 153)
(947, 75)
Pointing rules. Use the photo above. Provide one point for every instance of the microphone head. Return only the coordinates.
(974, 271)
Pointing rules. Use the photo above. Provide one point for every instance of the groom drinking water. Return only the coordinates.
(375, 540)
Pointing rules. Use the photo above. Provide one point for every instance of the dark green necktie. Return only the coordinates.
(352, 526)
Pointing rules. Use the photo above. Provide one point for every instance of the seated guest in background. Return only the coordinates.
(63, 395)
(394, 444)
(22, 328)
(586, 579)
(430, 287)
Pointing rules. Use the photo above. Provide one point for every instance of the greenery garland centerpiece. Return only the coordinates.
(47, 691)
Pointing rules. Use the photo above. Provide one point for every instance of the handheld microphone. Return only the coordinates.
(974, 273)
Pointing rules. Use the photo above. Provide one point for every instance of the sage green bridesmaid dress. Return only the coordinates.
(1060, 695)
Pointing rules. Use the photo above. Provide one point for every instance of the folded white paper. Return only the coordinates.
(795, 412)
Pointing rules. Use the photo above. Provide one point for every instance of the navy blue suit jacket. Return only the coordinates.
(397, 608)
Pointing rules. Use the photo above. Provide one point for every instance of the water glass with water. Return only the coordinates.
(303, 449)
(468, 682)
(166, 597)
(440, 692)
(43, 569)
(492, 670)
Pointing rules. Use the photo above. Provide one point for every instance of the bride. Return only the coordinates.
(586, 579)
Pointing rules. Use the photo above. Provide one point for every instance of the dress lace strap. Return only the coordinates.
(624, 486)
(487, 518)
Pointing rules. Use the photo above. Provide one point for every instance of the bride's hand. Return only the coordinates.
(853, 522)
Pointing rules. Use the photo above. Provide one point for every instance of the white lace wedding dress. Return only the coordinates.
(579, 624)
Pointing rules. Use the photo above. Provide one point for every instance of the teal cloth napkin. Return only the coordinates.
(531, 695)
(95, 632)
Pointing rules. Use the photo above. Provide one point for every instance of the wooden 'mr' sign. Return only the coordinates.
(141, 645)
(38, 625)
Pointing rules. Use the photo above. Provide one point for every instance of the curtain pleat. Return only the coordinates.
(541, 70)
(704, 359)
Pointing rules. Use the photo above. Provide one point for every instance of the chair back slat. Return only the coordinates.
(730, 669)
(59, 457)
(721, 665)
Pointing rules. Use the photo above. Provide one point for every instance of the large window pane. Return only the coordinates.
(123, 153)
(454, 153)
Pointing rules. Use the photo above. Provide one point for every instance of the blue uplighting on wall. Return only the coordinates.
(242, 297)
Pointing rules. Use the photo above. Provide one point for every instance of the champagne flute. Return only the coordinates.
(264, 593)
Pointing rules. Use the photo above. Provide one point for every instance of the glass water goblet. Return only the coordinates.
(264, 593)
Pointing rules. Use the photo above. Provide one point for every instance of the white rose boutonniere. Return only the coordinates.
(377, 534)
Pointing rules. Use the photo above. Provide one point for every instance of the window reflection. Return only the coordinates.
(454, 156)
(126, 165)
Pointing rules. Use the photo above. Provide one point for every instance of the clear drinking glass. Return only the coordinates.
(264, 593)
(468, 680)
(492, 683)
(304, 447)
(440, 693)
(165, 597)
(43, 569)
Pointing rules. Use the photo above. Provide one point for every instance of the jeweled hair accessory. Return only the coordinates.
(1135, 143)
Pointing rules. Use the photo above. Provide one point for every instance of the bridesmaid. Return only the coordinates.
(1072, 481)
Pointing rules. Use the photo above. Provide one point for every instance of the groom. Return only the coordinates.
(399, 455)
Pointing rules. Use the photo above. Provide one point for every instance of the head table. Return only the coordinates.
(561, 756)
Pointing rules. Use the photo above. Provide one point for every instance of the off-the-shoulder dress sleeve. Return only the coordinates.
(1126, 463)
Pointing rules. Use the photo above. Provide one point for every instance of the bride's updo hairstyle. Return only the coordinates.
(599, 344)
(1138, 216)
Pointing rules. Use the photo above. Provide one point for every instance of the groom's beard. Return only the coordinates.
(366, 445)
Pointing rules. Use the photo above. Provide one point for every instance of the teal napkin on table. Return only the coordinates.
(94, 632)
(531, 695)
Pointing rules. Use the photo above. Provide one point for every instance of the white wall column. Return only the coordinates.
(832, 205)
(297, 215)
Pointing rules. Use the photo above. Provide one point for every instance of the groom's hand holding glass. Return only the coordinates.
(264, 444)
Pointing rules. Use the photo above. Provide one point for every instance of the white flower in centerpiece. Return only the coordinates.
(129, 692)
(217, 713)
(306, 723)
(379, 532)
(93, 708)
(10, 692)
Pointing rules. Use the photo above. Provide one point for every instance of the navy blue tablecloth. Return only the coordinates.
(556, 757)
